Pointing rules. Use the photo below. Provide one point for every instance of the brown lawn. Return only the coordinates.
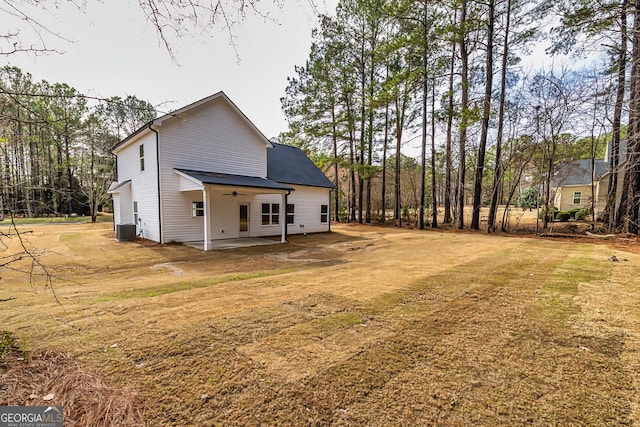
(362, 326)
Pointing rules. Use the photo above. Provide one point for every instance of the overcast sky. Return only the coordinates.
(116, 52)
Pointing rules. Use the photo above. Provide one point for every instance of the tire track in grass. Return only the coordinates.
(417, 325)
(464, 350)
(509, 368)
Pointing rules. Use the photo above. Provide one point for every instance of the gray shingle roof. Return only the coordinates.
(290, 165)
(116, 185)
(578, 172)
(234, 180)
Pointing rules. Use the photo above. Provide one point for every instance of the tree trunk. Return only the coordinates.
(434, 198)
(609, 215)
(547, 190)
(384, 161)
(67, 158)
(464, 105)
(370, 130)
(425, 91)
(498, 170)
(448, 162)
(486, 112)
(423, 153)
(361, 151)
(628, 211)
(397, 215)
(352, 175)
(336, 169)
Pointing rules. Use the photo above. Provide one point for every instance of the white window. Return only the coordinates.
(270, 213)
(290, 213)
(197, 209)
(135, 213)
(324, 213)
(577, 197)
(141, 157)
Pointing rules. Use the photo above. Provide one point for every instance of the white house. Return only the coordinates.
(205, 172)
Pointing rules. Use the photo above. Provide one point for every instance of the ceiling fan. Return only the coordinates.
(234, 194)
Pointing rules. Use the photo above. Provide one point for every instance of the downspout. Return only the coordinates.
(158, 175)
(286, 225)
(113, 216)
(329, 209)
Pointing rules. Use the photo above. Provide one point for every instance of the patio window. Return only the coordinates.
(270, 214)
(141, 157)
(577, 197)
(324, 213)
(197, 209)
(290, 213)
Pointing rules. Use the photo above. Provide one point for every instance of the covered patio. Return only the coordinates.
(232, 196)
(242, 242)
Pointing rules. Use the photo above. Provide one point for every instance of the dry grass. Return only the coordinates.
(363, 326)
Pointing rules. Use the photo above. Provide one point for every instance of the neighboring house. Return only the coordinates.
(205, 172)
(574, 180)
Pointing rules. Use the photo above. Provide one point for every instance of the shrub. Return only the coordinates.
(573, 212)
(563, 216)
(583, 214)
(405, 213)
(550, 215)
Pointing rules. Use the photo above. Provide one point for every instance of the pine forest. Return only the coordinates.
(415, 109)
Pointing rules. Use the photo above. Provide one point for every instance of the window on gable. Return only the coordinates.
(270, 213)
(290, 213)
(324, 213)
(197, 209)
(141, 157)
(577, 197)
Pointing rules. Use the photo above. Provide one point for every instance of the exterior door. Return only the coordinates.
(244, 220)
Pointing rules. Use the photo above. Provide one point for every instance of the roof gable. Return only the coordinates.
(290, 165)
(578, 172)
(622, 151)
(219, 96)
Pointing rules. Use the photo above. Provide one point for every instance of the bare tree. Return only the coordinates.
(27, 32)
(556, 98)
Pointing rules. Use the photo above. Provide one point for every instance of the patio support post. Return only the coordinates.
(205, 203)
(283, 218)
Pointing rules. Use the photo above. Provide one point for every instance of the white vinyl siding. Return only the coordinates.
(213, 138)
(122, 206)
(307, 202)
(143, 185)
(225, 216)
(117, 215)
